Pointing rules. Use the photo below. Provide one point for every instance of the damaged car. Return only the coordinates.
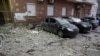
(84, 27)
(91, 20)
(98, 20)
(59, 26)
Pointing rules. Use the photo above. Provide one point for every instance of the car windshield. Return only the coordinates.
(71, 26)
(62, 21)
(76, 20)
(90, 18)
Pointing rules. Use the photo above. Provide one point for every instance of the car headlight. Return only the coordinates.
(70, 29)
(85, 25)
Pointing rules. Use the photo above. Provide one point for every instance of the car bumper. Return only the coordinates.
(87, 29)
(95, 26)
(71, 33)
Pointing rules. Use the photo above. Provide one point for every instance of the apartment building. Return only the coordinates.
(94, 8)
(26, 11)
(98, 11)
(37, 10)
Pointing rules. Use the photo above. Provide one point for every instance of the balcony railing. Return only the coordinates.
(98, 12)
(75, 0)
(85, 1)
(99, 1)
(90, 1)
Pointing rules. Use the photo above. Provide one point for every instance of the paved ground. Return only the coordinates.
(24, 42)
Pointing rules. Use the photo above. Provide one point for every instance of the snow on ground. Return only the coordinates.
(23, 42)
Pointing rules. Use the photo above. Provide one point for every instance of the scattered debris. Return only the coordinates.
(96, 35)
(97, 44)
(31, 50)
(1, 54)
(18, 41)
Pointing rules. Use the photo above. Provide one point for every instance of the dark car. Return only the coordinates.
(59, 26)
(84, 27)
(91, 20)
(98, 20)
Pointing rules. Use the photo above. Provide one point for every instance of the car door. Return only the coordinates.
(53, 25)
(46, 24)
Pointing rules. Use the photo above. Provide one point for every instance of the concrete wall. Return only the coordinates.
(98, 12)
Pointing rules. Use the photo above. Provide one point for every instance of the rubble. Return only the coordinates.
(24, 42)
(1, 54)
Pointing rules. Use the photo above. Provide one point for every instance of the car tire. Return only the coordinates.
(42, 28)
(60, 34)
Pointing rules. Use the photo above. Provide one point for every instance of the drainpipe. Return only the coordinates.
(12, 12)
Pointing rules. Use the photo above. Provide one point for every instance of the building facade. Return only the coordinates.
(26, 11)
(98, 12)
(94, 8)
(37, 10)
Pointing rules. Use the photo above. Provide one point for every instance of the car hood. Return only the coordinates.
(85, 24)
(94, 21)
(71, 26)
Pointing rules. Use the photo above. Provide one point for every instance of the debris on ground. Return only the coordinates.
(24, 42)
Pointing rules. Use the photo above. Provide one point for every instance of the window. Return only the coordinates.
(50, 10)
(72, 12)
(70, 20)
(76, 20)
(64, 11)
(52, 20)
(47, 20)
(50, 2)
(88, 12)
(31, 9)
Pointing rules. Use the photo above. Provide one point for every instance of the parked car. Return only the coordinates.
(98, 20)
(84, 27)
(59, 26)
(91, 20)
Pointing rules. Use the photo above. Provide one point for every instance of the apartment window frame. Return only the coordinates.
(50, 10)
(29, 13)
(64, 11)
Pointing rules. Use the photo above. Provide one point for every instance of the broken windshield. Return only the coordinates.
(62, 21)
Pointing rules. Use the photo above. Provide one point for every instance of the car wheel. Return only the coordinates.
(60, 34)
(42, 28)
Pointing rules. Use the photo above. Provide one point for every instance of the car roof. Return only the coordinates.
(88, 17)
(56, 18)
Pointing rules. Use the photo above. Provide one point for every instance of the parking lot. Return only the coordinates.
(23, 42)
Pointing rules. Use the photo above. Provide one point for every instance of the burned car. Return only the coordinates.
(59, 26)
(84, 27)
(93, 21)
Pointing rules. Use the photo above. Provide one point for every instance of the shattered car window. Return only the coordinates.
(62, 21)
(76, 20)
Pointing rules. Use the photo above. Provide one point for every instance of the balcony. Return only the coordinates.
(99, 1)
(98, 12)
(90, 1)
(84, 1)
(75, 0)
